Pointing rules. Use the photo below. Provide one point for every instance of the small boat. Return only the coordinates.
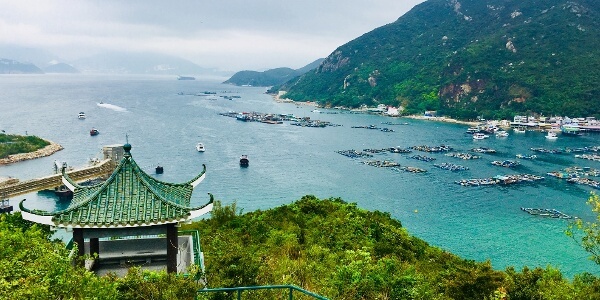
(519, 129)
(244, 162)
(94, 132)
(200, 147)
(501, 133)
(159, 169)
(551, 135)
(81, 115)
(185, 78)
(479, 136)
(63, 192)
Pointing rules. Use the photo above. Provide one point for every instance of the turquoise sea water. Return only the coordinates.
(287, 162)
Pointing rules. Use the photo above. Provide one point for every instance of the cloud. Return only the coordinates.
(227, 34)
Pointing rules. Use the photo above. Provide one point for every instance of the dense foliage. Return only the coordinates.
(14, 144)
(340, 251)
(326, 246)
(469, 58)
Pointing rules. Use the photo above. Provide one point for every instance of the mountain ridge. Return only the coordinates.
(468, 58)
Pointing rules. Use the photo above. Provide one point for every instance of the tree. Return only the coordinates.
(587, 234)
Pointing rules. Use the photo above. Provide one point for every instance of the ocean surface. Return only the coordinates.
(163, 119)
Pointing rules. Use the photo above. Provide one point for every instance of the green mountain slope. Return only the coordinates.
(270, 77)
(467, 58)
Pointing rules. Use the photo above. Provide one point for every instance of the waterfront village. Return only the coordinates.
(520, 122)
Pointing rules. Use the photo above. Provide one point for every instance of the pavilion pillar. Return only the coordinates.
(94, 246)
(78, 239)
(172, 246)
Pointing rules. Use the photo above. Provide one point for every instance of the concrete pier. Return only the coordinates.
(112, 156)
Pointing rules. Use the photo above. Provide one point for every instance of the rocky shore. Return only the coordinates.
(46, 151)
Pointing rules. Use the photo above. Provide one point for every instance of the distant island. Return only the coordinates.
(15, 148)
(269, 77)
(9, 66)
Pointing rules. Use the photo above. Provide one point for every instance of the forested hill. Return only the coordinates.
(270, 77)
(467, 58)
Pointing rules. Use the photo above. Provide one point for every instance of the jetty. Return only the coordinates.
(99, 169)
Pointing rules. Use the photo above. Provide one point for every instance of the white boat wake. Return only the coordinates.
(111, 106)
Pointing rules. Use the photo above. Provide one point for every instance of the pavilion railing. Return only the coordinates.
(239, 290)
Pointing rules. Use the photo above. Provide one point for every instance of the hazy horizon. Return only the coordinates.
(226, 35)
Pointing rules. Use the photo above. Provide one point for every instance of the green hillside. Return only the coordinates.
(467, 58)
(326, 246)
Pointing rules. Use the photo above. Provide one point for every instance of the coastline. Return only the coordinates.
(276, 98)
(46, 151)
(442, 119)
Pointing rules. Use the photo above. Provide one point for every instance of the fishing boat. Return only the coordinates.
(244, 162)
(200, 147)
(551, 135)
(94, 132)
(159, 169)
(81, 116)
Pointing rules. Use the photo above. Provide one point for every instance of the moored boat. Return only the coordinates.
(551, 135)
(519, 129)
(81, 116)
(94, 132)
(200, 147)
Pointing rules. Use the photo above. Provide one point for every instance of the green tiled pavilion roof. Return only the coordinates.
(129, 197)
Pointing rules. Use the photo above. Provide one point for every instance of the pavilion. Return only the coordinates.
(127, 215)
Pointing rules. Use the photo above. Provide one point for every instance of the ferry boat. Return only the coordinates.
(81, 115)
(244, 162)
(200, 147)
(570, 129)
(94, 132)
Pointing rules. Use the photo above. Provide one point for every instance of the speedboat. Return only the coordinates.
(244, 162)
(94, 132)
(200, 147)
(501, 133)
(551, 135)
(81, 115)
(479, 136)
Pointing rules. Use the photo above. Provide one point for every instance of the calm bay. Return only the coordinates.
(163, 119)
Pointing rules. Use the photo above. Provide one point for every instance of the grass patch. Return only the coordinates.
(15, 144)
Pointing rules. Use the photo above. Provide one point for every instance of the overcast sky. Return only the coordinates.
(225, 34)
